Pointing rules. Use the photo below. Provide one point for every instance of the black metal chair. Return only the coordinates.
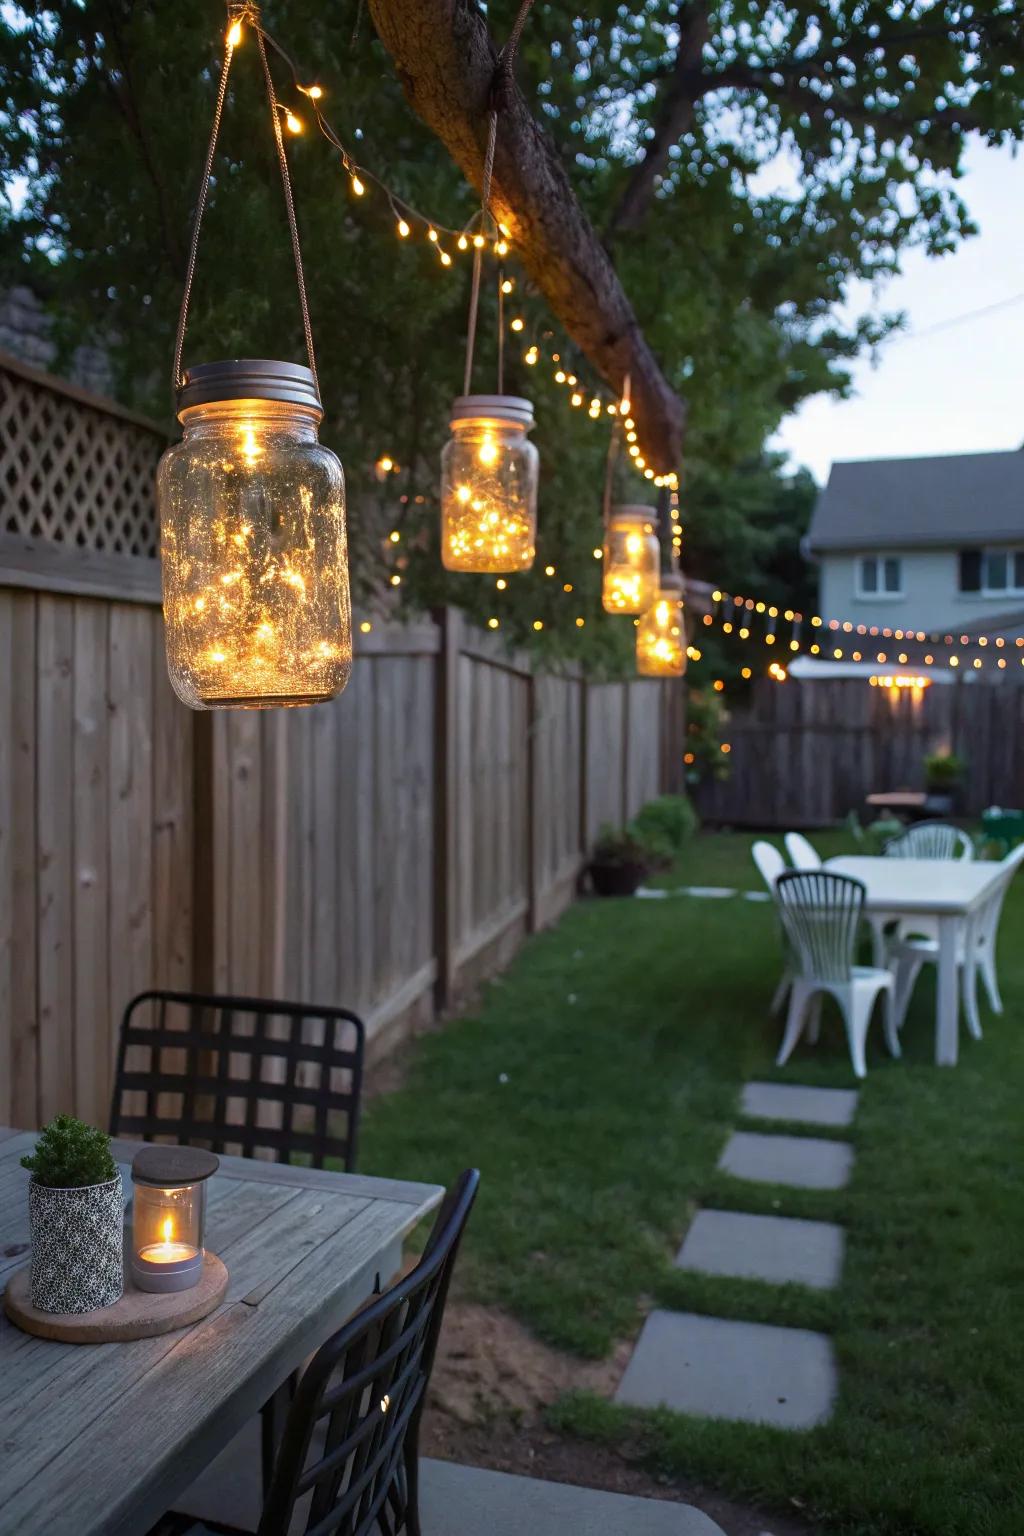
(241, 1074)
(348, 1462)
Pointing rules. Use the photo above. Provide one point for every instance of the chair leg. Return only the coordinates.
(857, 1006)
(814, 1019)
(412, 1487)
(798, 999)
(892, 1034)
(781, 992)
(969, 993)
(908, 968)
(991, 980)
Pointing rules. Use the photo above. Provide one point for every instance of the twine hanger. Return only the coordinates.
(249, 13)
(500, 88)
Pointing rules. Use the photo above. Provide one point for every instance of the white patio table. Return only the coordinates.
(948, 890)
(99, 1439)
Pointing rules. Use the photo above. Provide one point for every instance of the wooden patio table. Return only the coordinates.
(99, 1439)
(948, 890)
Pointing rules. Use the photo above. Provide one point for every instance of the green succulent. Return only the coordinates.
(70, 1155)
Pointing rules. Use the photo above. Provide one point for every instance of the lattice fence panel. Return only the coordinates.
(73, 472)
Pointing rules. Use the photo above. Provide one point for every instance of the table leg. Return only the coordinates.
(947, 1005)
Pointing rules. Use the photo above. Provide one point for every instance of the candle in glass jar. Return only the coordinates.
(168, 1218)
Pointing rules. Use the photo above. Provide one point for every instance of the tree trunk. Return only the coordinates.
(445, 60)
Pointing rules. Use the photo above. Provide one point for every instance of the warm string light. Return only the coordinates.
(863, 631)
(470, 236)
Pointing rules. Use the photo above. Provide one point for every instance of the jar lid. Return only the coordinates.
(173, 1165)
(498, 407)
(248, 378)
(634, 514)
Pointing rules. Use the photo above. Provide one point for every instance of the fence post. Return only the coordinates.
(446, 758)
(584, 765)
(204, 907)
(627, 689)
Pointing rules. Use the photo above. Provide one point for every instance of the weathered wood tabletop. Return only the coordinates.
(98, 1440)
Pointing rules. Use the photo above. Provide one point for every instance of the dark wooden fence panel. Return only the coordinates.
(807, 753)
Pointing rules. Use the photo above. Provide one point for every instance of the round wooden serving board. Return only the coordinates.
(138, 1314)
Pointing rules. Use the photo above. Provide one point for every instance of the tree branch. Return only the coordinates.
(673, 119)
(445, 60)
(689, 82)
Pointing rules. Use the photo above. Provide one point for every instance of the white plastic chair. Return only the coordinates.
(976, 952)
(771, 865)
(801, 853)
(821, 913)
(930, 840)
(926, 840)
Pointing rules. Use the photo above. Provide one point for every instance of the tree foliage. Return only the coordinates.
(747, 162)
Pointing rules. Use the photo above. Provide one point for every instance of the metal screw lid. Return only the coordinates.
(497, 407)
(633, 513)
(248, 378)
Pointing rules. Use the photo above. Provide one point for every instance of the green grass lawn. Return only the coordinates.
(595, 1086)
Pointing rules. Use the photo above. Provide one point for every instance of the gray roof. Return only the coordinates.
(960, 498)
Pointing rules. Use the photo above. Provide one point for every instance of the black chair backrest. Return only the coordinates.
(348, 1457)
(241, 1075)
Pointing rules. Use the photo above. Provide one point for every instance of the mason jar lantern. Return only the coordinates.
(629, 582)
(168, 1216)
(253, 542)
(660, 633)
(489, 486)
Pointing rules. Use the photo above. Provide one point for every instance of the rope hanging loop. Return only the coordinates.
(242, 13)
(498, 97)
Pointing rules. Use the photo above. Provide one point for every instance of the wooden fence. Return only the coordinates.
(385, 851)
(806, 753)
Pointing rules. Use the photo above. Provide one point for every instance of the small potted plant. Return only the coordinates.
(618, 863)
(943, 780)
(76, 1219)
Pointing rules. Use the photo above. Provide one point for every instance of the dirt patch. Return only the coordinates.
(491, 1383)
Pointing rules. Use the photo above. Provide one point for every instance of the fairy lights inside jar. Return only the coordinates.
(660, 634)
(629, 582)
(489, 486)
(253, 542)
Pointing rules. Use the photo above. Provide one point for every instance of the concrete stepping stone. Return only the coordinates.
(774, 1248)
(805, 1162)
(465, 1501)
(728, 1370)
(787, 1101)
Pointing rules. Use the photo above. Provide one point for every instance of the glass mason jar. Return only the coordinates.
(660, 633)
(489, 486)
(253, 542)
(632, 557)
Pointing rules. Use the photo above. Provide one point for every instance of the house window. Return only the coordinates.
(880, 576)
(992, 572)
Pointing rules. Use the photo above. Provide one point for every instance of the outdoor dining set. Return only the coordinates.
(262, 1284)
(925, 899)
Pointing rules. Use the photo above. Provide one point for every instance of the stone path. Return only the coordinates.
(755, 1372)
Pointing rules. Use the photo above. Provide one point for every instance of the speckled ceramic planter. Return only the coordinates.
(77, 1246)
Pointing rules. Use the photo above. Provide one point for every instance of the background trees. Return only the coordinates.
(743, 163)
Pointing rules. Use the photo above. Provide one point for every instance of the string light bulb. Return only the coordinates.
(292, 123)
(234, 36)
(358, 186)
(403, 229)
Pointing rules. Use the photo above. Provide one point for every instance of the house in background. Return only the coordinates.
(934, 544)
